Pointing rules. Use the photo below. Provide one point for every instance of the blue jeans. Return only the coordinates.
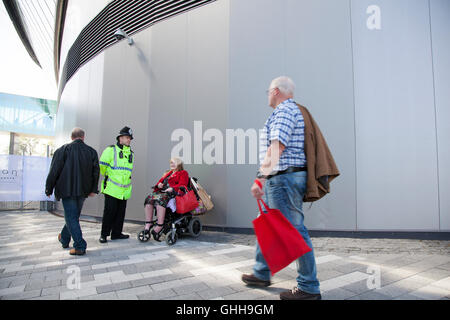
(285, 193)
(72, 229)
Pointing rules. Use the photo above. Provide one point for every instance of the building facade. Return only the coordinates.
(374, 75)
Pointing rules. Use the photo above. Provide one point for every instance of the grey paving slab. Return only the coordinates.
(47, 297)
(393, 276)
(114, 287)
(431, 292)
(403, 286)
(190, 288)
(338, 294)
(102, 296)
(12, 290)
(238, 287)
(212, 293)
(371, 295)
(157, 295)
(23, 295)
(408, 296)
(358, 287)
(246, 295)
(133, 292)
(191, 296)
(7, 274)
(445, 266)
(75, 294)
(351, 267)
(52, 291)
(42, 284)
(435, 274)
(327, 274)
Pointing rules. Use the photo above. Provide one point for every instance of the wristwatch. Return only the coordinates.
(260, 176)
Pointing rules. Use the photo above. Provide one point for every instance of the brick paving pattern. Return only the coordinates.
(34, 266)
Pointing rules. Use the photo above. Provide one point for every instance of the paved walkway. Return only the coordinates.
(34, 266)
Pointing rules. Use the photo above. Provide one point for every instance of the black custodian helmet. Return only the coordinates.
(126, 131)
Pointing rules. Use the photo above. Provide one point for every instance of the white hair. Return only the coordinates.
(284, 84)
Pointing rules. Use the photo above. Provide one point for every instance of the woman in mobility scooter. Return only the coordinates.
(174, 182)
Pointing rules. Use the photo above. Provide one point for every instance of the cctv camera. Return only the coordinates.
(120, 34)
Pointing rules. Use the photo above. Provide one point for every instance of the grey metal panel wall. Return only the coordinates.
(256, 57)
(167, 92)
(440, 26)
(395, 118)
(207, 95)
(311, 42)
(319, 58)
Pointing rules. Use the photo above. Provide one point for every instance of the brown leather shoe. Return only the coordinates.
(297, 294)
(75, 252)
(59, 239)
(251, 280)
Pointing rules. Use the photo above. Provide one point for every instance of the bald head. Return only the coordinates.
(77, 133)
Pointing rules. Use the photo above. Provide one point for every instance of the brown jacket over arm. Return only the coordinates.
(319, 161)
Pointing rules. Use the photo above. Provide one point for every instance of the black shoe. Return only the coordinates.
(122, 236)
(156, 236)
(251, 280)
(297, 294)
(102, 240)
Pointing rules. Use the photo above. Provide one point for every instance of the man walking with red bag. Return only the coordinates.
(283, 177)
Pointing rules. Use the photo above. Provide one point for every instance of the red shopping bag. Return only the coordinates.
(186, 202)
(279, 241)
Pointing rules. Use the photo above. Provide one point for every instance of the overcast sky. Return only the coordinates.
(19, 74)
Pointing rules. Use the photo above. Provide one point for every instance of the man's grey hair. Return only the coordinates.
(284, 84)
(77, 133)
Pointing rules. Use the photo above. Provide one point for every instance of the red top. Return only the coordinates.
(177, 180)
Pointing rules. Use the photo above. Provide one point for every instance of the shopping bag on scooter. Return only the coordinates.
(186, 202)
(280, 242)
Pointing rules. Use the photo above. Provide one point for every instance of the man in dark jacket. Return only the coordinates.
(74, 175)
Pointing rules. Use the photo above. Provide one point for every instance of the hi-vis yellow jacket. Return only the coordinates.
(116, 164)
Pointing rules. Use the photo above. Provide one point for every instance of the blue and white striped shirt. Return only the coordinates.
(286, 125)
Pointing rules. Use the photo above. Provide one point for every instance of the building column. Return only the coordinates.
(11, 142)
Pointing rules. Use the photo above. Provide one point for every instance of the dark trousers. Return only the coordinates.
(72, 229)
(113, 216)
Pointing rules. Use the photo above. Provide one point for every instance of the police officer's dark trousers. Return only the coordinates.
(113, 216)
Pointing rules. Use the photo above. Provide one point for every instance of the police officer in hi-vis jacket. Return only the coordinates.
(116, 165)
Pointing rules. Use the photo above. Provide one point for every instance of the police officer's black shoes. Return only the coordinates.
(102, 240)
(120, 237)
